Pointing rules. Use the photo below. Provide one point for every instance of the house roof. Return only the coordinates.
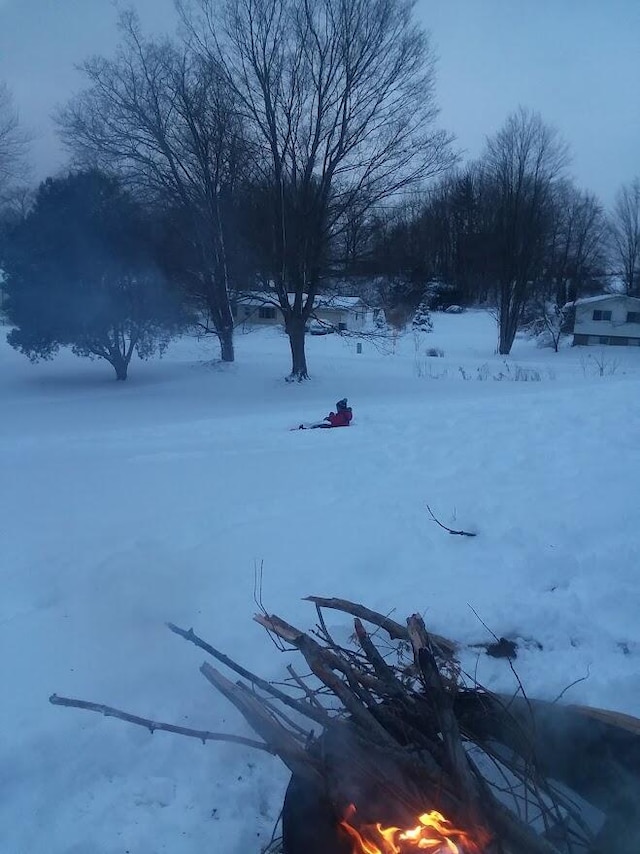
(342, 303)
(321, 301)
(602, 298)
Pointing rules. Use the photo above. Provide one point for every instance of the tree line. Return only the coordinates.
(510, 230)
(282, 144)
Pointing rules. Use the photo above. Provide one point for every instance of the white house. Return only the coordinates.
(610, 319)
(335, 312)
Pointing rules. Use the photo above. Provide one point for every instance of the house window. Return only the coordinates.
(601, 315)
(619, 341)
(247, 311)
(633, 317)
(266, 313)
(342, 327)
(603, 339)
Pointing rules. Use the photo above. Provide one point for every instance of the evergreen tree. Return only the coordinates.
(80, 272)
(422, 319)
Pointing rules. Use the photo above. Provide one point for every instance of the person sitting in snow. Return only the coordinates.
(340, 418)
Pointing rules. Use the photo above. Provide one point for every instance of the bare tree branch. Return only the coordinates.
(625, 231)
(13, 146)
(450, 530)
(310, 711)
(152, 726)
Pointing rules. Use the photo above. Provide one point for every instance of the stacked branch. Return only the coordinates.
(374, 724)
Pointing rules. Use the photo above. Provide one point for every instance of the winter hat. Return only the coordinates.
(341, 404)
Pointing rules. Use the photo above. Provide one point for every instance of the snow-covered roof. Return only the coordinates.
(257, 298)
(602, 298)
(339, 302)
(321, 301)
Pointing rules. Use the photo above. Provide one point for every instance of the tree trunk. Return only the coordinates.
(221, 318)
(120, 366)
(295, 328)
(509, 313)
(506, 341)
(117, 353)
(227, 351)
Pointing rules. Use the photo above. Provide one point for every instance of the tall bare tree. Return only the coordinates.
(13, 146)
(520, 167)
(164, 118)
(339, 95)
(625, 231)
(577, 245)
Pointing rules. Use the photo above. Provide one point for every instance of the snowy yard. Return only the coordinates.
(124, 505)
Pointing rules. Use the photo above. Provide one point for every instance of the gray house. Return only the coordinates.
(335, 312)
(609, 320)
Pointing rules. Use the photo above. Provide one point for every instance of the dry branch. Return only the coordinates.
(322, 661)
(396, 631)
(152, 726)
(265, 724)
(440, 700)
(460, 533)
(384, 672)
(309, 694)
(299, 706)
(302, 641)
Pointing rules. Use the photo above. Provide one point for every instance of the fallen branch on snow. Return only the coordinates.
(450, 530)
(152, 726)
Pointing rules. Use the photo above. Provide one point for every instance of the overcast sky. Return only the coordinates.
(576, 61)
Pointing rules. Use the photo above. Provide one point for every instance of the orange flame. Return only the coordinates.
(433, 834)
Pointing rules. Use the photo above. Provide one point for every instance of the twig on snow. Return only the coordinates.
(572, 684)
(450, 530)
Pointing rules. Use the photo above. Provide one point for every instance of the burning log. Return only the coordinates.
(412, 759)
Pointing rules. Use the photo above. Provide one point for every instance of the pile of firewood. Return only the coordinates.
(387, 729)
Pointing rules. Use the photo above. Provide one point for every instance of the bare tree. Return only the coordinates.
(577, 244)
(520, 166)
(549, 321)
(339, 95)
(13, 146)
(163, 117)
(625, 231)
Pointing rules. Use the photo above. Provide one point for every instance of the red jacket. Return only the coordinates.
(342, 418)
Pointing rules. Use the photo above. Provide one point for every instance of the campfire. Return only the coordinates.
(433, 833)
(393, 750)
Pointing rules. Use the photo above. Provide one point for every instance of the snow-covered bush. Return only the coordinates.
(422, 319)
(544, 340)
(380, 321)
(547, 324)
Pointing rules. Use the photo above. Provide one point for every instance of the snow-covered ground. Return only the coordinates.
(123, 506)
